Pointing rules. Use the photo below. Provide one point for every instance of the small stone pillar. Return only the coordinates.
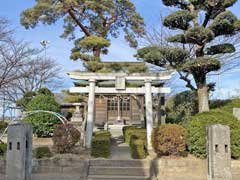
(236, 113)
(19, 152)
(219, 152)
(91, 113)
(149, 112)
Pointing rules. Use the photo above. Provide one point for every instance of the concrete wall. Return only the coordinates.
(166, 168)
(187, 169)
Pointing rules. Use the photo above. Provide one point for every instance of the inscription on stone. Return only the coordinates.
(120, 83)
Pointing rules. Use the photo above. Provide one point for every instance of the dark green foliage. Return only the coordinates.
(101, 144)
(222, 48)
(138, 147)
(223, 24)
(199, 35)
(3, 148)
(228, 105)
(209, 64)
(65, 137)
(42, 152)
(101, 67)
(3, 126)
(162, 56)
(196, 128)
(169, 139)
(181, 106)
(43, 123)
(179, 20)
(45, 91)
(180, 38)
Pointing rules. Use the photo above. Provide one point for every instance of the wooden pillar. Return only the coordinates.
(91, 112)
(162, 109)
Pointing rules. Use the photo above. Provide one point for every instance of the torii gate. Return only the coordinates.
(120, 88)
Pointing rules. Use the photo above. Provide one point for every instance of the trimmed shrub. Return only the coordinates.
(169, 139)
(101, 144)
(43, 123)
(3, 126)
(133, 131)
(3, 148)
(65, 137)
(137, 147)
(125, 128)
(42, 152)
(196, 128)
(102, 133)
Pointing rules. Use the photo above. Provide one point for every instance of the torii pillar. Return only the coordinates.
(149, 112)
(91, 112)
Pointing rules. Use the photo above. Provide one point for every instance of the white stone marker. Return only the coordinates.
(19, 152)
(236, 113)
(149, 112)
(219, 152)
(90, 115)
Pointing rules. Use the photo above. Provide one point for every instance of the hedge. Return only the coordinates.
(196, 128)
(126, 128)
(42, 152)
(137, 147)
(133, 130)
(101, 144)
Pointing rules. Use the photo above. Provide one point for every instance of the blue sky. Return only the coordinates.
(59, 49)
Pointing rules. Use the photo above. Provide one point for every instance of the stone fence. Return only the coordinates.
(165, 168)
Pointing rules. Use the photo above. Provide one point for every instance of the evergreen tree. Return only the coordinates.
(200, 23)
(98, 21)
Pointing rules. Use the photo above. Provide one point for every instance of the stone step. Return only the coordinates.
(119, 163)
(93, 177)
(119, 171)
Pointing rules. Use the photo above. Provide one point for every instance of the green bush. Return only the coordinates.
(65, 137)
(133, 131)
(3, 126)
(3, 148)
(42, 152)
(181, 106)
(138, 147)
(169, 139)
(102, 133)
(125, 128)
(43, 123)
(101, 144)
(196, 128)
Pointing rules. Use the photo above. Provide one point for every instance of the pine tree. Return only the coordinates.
(98, 21)
(201, 35)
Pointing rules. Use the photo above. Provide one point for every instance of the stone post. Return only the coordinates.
(219, 152)
(236, 113)
(19, 152)
(149, 112)
(91, 112)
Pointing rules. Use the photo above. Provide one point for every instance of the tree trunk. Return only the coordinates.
(203, 99)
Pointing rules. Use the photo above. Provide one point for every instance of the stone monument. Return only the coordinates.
(236, 113)
(19, 152)
(219, 152)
